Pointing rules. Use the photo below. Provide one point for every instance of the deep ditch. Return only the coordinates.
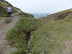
(28, 35)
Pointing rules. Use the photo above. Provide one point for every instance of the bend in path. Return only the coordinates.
(4, 28)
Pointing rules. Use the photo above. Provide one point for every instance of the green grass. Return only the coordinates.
(17, 39)
(49, 39)
(17, 35)
(20, 51)
(3, 8)
(22, 15)
(0, 18)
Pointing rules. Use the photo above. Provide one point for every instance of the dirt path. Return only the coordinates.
(4, 47)
(68, 47)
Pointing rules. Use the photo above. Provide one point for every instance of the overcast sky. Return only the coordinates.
(42, 6)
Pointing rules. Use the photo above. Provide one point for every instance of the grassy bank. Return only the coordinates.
(17, 35)
(49, 39)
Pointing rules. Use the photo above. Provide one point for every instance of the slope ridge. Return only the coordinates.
(56, 16)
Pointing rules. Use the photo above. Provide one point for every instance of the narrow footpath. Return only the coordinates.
(4, 28)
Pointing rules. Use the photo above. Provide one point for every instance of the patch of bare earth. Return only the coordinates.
(68, 47)
(4, 28)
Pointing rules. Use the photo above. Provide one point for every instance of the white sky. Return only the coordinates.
(42, 6)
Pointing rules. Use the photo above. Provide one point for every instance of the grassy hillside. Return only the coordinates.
(3, 11)
(49, 39)
(56, 16)
(3, 8)
(17, 35)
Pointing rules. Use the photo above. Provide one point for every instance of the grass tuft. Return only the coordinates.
(8, 20)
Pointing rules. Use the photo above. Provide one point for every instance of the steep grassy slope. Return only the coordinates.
(49, 39)
(3, 8)
(3, 11)
(17, 35)
(56, 16)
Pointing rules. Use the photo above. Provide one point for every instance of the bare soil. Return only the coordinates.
(4, 28)
(68, 47)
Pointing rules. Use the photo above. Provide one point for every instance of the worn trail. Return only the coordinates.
(4, 28)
